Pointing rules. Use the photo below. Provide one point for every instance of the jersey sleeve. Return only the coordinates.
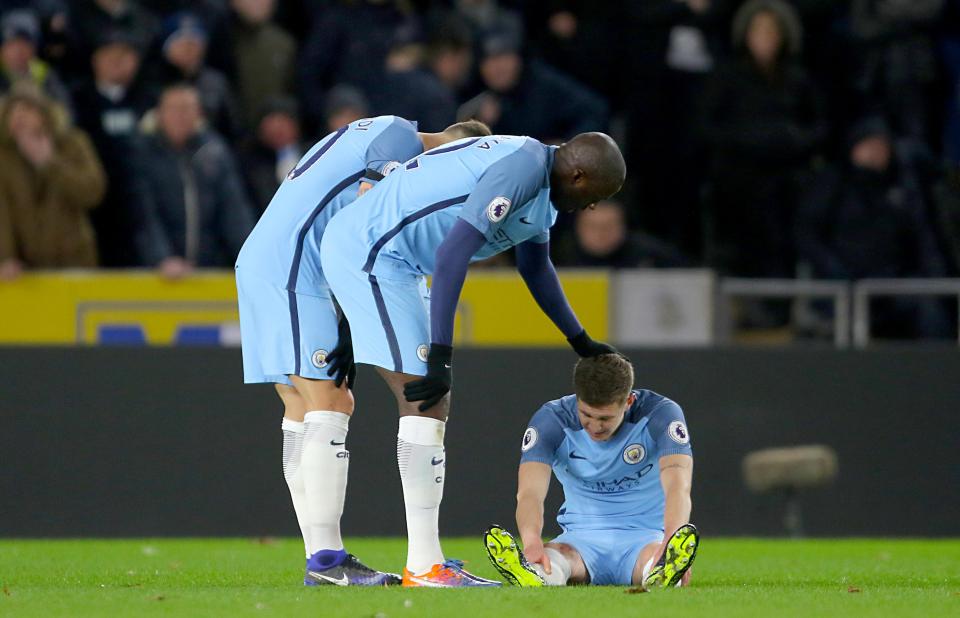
(542, 438)
(503, 187)
(668, 428)
(396, 144)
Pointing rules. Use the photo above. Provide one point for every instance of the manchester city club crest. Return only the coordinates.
(634, 453)
(529, 439)
(319, 359)
(423, 350)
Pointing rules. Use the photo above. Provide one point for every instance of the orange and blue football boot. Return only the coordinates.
(450, 574)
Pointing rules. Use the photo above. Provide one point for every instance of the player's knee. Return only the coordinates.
(324, 395)
(439, 410)
(294, 407)
(335, 399)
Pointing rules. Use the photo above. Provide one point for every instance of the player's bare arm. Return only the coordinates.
(532, 485)
(676, 477)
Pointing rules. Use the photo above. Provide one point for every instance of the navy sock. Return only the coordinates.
(327, 558)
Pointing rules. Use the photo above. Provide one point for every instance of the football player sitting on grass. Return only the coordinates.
(624, 458)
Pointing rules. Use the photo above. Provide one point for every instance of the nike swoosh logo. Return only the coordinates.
(573, 455)
(339, 581)
(436, 462)
(446, 366)
(335, 443)
(524, 220)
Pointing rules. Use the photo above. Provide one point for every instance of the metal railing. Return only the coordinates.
(851, 300)
(765, 289)
(866, 289)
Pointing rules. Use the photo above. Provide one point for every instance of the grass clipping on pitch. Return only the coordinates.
(240, 577)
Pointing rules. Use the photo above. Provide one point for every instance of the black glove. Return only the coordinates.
(432, 387)
(340, 359)
(586, 347)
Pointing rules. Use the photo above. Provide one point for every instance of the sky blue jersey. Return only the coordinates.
(498, 184)
(284, 247)
(614, 484)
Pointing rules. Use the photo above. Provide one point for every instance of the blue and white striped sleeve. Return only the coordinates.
(542, 438)
(503, 187)
(668, 428)
(396, 144)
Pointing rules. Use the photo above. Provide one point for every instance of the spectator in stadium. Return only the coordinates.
(487, 18)
(669, 49)
(109, 106)
(49, 178)
(264, 56)
(526, 97)
(868, 218)
(450, 53)
(192, 208)
(344, 104)
(184, 54)
(897, 60)
(89, 19)
(267, 158)
(601, 238)
(582, 35)
(407, 89)
(762, 120)
(348, 44)
(19, 40)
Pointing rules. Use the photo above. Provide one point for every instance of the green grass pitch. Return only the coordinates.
(240, 577)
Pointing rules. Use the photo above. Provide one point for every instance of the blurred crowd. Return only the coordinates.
(764, 138)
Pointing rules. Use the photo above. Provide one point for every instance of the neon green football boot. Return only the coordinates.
(676, 559)
(507, 558)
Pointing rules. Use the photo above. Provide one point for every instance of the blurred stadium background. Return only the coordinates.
(784, 260)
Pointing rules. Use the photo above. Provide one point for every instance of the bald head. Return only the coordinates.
(587, 169)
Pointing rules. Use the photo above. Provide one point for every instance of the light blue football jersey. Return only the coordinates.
(498, 184)
(284, 247)
(614, 484)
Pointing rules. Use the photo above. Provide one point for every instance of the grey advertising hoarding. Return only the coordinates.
(135, 442)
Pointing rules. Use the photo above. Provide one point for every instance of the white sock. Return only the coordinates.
(292, 453)
(422, 463)
(559, 568)
(324, 467)
(646, 569)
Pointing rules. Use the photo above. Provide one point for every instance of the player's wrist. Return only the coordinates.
(586, 347)
(580, 343)
(531, 537)
(533, 544)
(440, 356)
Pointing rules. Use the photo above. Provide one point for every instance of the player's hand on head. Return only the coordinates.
(341, 366)
(431, 388)
(586, 347)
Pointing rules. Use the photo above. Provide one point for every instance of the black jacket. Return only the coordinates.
(190, 203)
